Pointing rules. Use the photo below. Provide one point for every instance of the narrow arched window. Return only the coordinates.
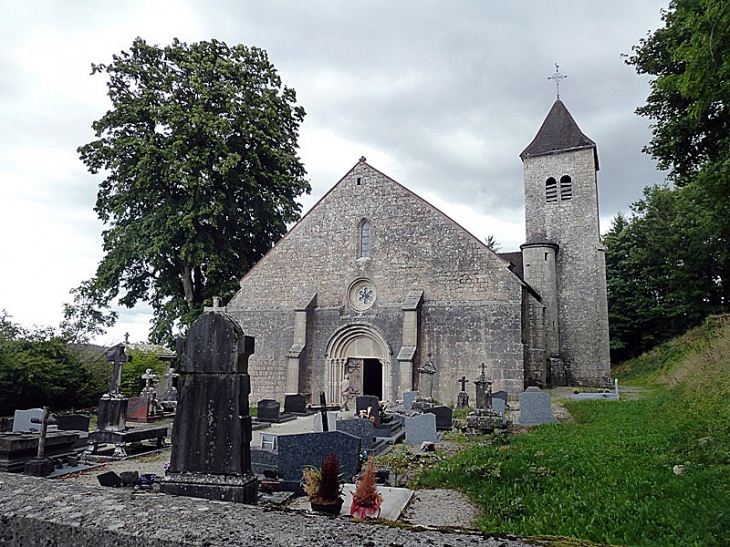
(566, 188)
(551, 190)
(365, 238)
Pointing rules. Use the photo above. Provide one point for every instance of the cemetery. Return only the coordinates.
(213, 460)
(218, 452)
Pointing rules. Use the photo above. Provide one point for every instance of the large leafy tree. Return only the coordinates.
(668, 265)
(199, 155)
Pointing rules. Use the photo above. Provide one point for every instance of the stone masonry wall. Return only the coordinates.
(574, 226)
(471, 309)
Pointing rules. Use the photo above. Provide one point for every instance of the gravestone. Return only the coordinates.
(444, 417)
(323, 409)
(112, 413)
(422, 428)
(41, 465)
(22, 420)
(426, 378)
(499, 406)
(363, 402)
(73, 422)
(501, 394)
(138, 409)
(535, 407)
(268, 410)
(211, 439)
(483, 385)
(295, 403)
(331, 422)
(361, 428)
(299, 451)
(78, 423)
(168, 398)
(462, 398)
(409, 397)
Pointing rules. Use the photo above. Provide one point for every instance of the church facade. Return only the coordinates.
(374, 280)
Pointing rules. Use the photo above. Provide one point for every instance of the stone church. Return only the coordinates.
(374, 280)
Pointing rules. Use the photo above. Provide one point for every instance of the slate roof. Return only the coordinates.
(558, 133)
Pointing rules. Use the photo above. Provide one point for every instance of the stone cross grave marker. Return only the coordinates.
(462, 399)
(116, 355)
(211, 440)
(40, 465)
(484, 390)
(426, 373)
(112, 413)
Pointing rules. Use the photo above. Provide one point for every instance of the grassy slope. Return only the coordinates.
(609, 476)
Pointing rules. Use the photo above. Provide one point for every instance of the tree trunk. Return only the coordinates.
(187, 281)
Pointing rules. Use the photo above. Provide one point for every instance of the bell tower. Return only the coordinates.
(563, 255)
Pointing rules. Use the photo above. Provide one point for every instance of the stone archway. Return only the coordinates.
(356, 344)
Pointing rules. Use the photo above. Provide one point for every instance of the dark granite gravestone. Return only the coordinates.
(535, 407)
(444, 417)
(211, 439)
(268, 410)
(361, 428)
(295, 403)
(78, 423)
(363, 402)
(73, 422)
(298, 451)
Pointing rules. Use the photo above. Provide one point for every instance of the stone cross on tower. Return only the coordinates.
(557, 78)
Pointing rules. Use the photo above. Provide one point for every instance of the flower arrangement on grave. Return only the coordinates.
(323, 486)
(382, 411)
(366, 500)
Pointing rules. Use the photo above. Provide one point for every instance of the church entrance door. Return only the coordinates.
(372, 378)
(360, 352)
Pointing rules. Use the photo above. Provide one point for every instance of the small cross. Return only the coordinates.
(148, 376)
(557, 77)
(482, 367)
(126, 338)
(463, 382)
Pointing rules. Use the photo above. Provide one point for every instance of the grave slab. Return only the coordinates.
(535, 407)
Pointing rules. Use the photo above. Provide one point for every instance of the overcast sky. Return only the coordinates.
(442, 96)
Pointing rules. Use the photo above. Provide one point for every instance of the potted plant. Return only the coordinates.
(323, 486)
(366, 500)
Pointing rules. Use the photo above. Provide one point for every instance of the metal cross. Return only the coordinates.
(557, 77)
(323, 408)
(463, 382)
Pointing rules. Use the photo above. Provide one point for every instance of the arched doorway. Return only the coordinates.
(361, 351)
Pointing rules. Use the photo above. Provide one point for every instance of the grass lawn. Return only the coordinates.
(609, 477)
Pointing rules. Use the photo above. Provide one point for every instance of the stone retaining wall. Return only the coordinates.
(55, 513)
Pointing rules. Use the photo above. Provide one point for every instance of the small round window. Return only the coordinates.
(362, 294)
